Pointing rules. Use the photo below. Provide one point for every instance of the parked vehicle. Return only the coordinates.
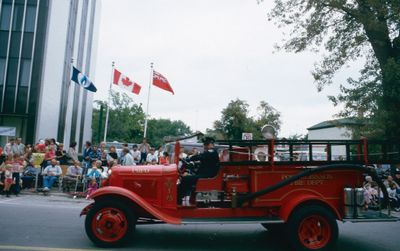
(300, 197)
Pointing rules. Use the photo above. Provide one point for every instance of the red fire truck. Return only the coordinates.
(282, 184)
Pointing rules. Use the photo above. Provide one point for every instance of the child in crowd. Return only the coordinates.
(92, 187)
(8, 181)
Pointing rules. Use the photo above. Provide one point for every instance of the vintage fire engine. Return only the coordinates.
(301, 187)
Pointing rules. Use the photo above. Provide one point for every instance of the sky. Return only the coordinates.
(211, 52)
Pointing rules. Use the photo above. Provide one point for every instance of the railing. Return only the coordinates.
(312, 152)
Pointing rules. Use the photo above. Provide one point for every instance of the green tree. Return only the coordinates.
(349, 30)
(126, 119)
(159, 128)
(235, 120)
(126, 122)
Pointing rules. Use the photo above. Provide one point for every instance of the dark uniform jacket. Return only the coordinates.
(209, 163)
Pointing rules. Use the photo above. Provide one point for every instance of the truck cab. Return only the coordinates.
(262, 182)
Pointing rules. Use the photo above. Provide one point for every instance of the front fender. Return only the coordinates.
(112, 190)
(291, 202)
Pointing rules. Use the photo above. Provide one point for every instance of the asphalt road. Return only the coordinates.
(39, 223)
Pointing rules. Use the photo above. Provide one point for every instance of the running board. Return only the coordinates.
(236, 220)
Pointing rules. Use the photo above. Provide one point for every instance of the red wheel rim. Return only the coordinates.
(314, 232)
(109, 224)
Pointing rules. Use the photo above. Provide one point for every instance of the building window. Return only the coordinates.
(30, 19)
(25, 70)
(18, 17)
(27, 45)
(2, 70)
(15, 44)
(5, 17)
(12, 72)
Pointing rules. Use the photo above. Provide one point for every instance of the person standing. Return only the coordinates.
(86, 156)
(17, 168)
(136, 154)
(144, 149)
(18, 147)
(127, 158)
(72, 153)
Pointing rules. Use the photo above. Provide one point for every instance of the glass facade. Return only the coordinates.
(21, 44)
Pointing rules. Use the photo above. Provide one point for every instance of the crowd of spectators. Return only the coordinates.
(373, 196)
(39, 166)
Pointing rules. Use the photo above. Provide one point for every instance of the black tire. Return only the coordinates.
(116, 210)
(275, 228)
(323, 234)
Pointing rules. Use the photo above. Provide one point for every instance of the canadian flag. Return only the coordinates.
(161, 82)
(124, 82)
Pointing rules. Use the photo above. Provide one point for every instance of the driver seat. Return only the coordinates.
(208, 184)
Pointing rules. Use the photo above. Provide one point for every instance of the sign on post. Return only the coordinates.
(247, 136)
(7, 131)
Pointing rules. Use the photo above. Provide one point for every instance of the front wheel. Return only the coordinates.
(110, 223)
(312, 227)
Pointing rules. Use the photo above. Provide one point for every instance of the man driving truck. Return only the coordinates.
(209, 166)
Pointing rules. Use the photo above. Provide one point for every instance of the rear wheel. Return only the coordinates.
(312, 227)
(110, 223)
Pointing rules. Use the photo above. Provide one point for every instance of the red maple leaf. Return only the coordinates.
(125, 81)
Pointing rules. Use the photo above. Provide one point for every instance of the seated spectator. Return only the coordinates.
(152, 157)
(103, 154)
(94, 173)
(127, 159)
(370, 192)
(393, 199)
(50, 174)
(112, 156)
(29, 175)
(72, 176)
(136, 154)
(50, 154)
(396, 179)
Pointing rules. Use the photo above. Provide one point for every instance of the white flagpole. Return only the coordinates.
(148, 100)
(108, 103)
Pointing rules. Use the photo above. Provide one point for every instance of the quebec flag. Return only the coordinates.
(82, 80)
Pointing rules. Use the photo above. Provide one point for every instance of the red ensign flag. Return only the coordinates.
(124, 82)
(161, 82)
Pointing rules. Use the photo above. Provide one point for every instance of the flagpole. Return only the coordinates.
(148, 101)
(108, 102)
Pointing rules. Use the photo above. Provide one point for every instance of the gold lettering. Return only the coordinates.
(141, 170)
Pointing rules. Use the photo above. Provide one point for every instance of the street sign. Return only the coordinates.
(247, 136)
(7, 131)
